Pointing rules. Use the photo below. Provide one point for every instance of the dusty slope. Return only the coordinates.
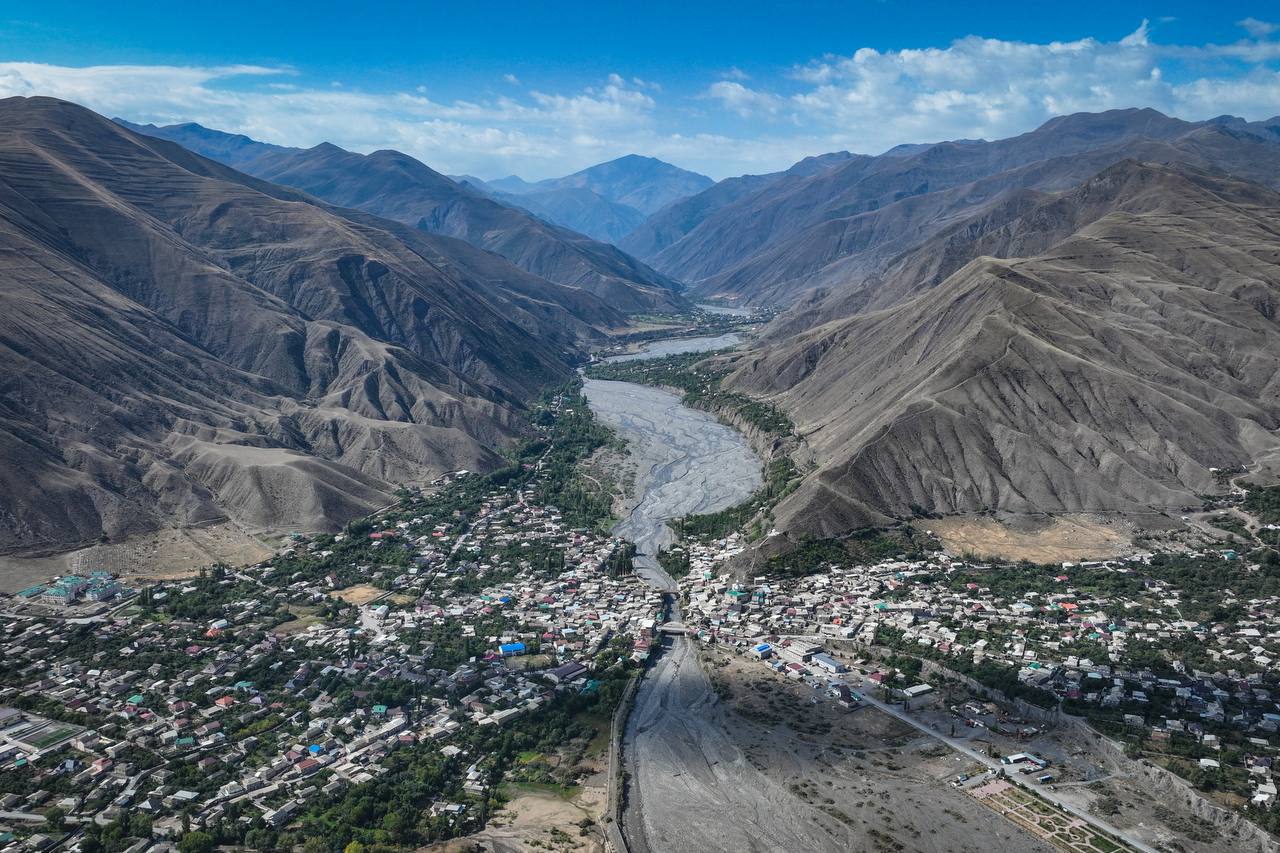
(1109, 371)
(678, 218)
(396, 186)
(184, 343)
(835, 227)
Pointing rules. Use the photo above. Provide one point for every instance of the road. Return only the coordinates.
(991, 763)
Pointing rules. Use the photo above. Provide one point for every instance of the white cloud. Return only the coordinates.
(1258, 29)
(542, 134)
(981, 87)
(744, 101)
(867, 101)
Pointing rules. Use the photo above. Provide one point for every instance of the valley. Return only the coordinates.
(919, 501)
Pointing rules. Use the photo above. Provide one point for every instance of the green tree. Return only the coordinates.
(55, 817)
(196, 842)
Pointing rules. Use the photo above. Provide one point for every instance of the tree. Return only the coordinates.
(196, 842)
(396, 824)
(315, 844)
(55, 818)
(353, 847)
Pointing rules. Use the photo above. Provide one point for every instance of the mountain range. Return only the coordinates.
(606, 201)
(202, 326)
(774, 241)
(185, 343)
(398, 187)
(1103, 349)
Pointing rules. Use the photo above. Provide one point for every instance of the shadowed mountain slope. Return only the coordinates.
(834, 228)
(678, 218)
(185, 343)
(396, 186)
(1134, 348)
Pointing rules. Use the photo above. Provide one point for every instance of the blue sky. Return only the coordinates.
(542, 89)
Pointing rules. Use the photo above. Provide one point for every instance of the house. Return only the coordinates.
(566, 672)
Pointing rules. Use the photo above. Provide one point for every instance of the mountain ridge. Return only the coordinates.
(186, 343)
(802, 232)
(396, 186)
(1133, 351)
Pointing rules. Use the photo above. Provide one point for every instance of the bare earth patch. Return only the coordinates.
(1049, 541)
(360, 594)
(164, 554)
(538, 821)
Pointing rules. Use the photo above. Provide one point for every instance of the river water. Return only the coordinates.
(690, 788)
(679, 346)
(686, 462)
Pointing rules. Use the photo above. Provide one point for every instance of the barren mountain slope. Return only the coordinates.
(836, 227)
(1019, 223)
(396, 186)
(1108, 372)
(185, 343)
(678, 218)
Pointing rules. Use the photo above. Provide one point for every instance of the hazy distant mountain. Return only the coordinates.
(678, 218)
(644, 183)
(835, 228)
(606, 201)
(510, 184)
(233, 149)
(1122, 343)
(580, 209)
(396, 186)
(184, 343)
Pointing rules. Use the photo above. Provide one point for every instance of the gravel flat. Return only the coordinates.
(686, 462)
(692, 789)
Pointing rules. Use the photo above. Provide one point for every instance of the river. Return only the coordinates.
(690, 787)
(679, 346)
(686, 462)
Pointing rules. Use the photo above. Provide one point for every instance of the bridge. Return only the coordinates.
(673, 628)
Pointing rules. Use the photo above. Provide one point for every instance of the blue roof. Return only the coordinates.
(511, 647)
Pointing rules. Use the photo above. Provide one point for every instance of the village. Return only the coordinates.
(388, 682)
(246, 700)
(1171, 657)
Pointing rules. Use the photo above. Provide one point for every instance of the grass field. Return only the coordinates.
(56, 735)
